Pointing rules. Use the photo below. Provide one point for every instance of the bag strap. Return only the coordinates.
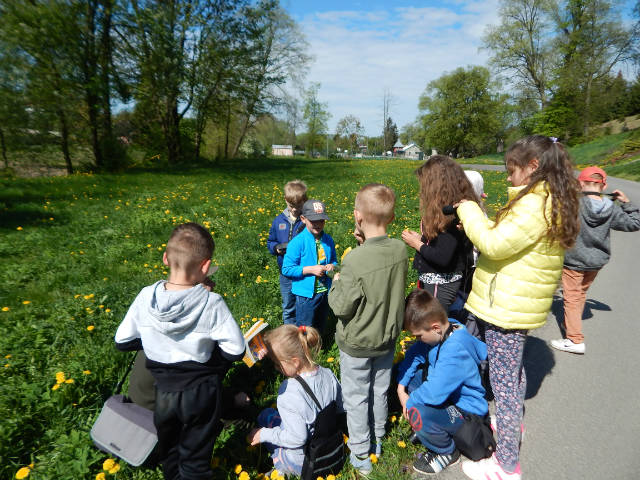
(126, 374)
(307, 389)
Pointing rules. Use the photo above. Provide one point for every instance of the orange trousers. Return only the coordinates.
(575, 284)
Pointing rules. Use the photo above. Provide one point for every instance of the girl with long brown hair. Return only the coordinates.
(442, 249)
(520, 263)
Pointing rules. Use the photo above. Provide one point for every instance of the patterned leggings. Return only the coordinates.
(505, 350)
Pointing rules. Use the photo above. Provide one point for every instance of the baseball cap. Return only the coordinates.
(585, 175)
(314, 210)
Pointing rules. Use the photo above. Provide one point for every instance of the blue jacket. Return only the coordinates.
(453, 377)
(282, 231)
(301, 252)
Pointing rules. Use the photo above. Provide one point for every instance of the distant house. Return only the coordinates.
(282, 150)
(397, 148)
(412, 151)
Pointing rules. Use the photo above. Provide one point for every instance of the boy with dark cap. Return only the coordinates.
(310, 255)
(598, 216)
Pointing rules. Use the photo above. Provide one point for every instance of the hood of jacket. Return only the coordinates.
(595, 212)
(477, 349)
(174, 312)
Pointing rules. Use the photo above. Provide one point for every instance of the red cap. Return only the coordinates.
(585, 175)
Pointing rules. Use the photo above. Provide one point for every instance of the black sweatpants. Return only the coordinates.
(188, 423)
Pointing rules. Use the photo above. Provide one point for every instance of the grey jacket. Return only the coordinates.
(368, 298)
(593, 245)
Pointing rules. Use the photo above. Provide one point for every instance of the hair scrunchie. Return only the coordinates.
(303, 329)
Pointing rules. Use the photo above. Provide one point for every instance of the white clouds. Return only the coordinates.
(359, 53)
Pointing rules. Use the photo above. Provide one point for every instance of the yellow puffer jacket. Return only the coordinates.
(518, 268)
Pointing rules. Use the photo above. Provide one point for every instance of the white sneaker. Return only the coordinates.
(489, 469)
(567, 345)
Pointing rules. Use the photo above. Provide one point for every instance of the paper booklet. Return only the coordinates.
(255, 348)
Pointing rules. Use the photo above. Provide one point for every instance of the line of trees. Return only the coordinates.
(194, 70)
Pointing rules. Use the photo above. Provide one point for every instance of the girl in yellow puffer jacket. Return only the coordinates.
(520, 263)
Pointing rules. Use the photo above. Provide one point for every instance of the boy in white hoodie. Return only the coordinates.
(190, 340)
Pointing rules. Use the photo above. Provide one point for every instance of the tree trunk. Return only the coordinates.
(3, 147)
(105, 69)
(172, 132)
(227, 127)
(89, 68)
(64, 140)
(587, 108)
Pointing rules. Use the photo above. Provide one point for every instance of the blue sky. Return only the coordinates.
(363, 47)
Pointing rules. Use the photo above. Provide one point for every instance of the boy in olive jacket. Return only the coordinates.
(367, 297)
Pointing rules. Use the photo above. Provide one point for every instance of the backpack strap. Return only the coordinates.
(307, 389)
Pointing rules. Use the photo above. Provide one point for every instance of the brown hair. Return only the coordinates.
(376, 203)
(287, 341)
(295, 192)
(442, 182)
(556, 171)
(421, 309)
(188, 245)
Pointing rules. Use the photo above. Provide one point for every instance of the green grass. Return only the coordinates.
(75, 251)
(596, 151)
(629, 170)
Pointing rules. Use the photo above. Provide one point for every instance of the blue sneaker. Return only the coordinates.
(362, 465)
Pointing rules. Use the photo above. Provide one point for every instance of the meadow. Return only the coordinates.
(74, 252)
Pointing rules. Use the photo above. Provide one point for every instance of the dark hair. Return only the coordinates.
(442, 182)
(189, 244)
(421, 309)
(556, 171)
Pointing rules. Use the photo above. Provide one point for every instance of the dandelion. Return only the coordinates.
(345, 438)
(258, 279)
(26, 302)
(108, 464)
(8, 355)
(114, 469)
(91, 328)
(330, 359)
(393, 419)
(401, 444)
(5, 309)
(7, 365)
(238, 469)
(69, 380)
(56, 386)
(266, 267)
(100, 476)
(23, 473)
(275, 474)
(60, 377)
(243, 476)
(331, 477)
(20, 228)
(107, 310)
(374, 458)
(86, 372)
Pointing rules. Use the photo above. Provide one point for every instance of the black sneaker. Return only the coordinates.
(430, 462)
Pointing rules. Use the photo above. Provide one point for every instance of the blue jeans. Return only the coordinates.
(312, 312)
(288, 301)
(434, 426)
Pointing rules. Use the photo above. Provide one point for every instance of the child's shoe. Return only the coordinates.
(362, 465)
(430, 462)
(489, 469)
(566, 345)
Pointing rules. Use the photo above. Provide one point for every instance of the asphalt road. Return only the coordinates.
(583, 411)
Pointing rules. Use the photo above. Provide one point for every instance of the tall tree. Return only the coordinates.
(315, 115)
(390, 134)
(349, 131)
(461, 112)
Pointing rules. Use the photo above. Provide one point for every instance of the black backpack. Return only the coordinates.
(324, 451)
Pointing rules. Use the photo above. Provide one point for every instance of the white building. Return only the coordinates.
(282, 150)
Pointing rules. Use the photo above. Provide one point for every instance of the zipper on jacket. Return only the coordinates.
(492, 289)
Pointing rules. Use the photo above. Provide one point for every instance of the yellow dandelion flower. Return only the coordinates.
(107, 310)
(148, 245)
(5, 309)
(26, 302)
(100, 476)
(274, 475)
(243, 476)
(69, 380)
(345, 438)
(266, 267)
(258, 279)
(91, 328)
(56, 386)
(237, 469)
(76, 295)
(23, 473)
(8, 355)
(330, 359)
(86, 372)
(7, 365)
(331, 477)
(401, 444)
(374, 458)
(60, 377)
(114, 469)
(242, 274)
(108, 464)
(393, 419)
(19, 228)
(320, 478)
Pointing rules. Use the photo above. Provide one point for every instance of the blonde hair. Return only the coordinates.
(289, 341)
(376, 203)
(295, 192)
(188, 245)
(421, 309)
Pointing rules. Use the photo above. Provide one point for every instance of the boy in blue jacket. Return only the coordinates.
(284, 227)
(310, 255)
(434, 403)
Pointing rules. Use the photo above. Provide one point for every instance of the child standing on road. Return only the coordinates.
(520, 263)
(435, 406)
(189, 337)
(310, 255)
(285, 431)
(284, 227)
(442, 249)
(598, 216)
(367, 296)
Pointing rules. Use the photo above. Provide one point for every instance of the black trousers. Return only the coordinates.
(444, 292)
(188, 423)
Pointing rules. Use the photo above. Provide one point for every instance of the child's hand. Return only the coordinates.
(403, 396)
(254, 437)
(412, 239)
(619, 195)
(316, 270)
(336, 276)
(328, 267)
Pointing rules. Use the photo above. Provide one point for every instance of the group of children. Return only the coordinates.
(190, 337)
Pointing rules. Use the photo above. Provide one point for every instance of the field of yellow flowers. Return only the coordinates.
(74, 252)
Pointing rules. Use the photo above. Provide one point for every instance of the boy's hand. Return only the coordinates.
(619, 195)
(412, 239)
(254, 436)
(403, 396)
(328, 267)
(316, 270)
